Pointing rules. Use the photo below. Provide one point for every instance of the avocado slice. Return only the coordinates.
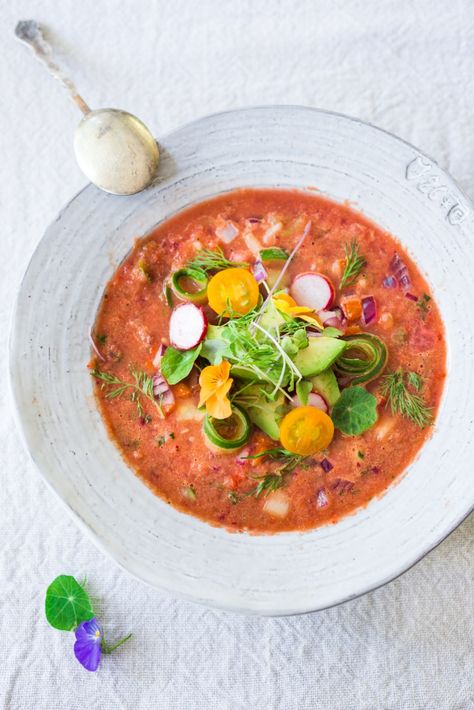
(319, 355)
(271, 321)
(264, 414)
(326, 385)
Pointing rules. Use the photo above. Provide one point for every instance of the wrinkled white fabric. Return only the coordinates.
(407, 66)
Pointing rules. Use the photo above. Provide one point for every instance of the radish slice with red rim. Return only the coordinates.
(314, 400)
(312, 290)
(188, 326)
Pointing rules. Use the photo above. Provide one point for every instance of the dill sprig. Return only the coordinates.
(213, 260)
(410, 405)
(271, 482)
(142, 386)
(355, 262)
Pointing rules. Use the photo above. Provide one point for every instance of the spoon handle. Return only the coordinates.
(29, 32)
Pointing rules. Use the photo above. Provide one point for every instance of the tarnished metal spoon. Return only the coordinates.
(114, 149)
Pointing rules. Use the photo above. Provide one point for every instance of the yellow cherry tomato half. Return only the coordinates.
(306, 430)
(234, 287)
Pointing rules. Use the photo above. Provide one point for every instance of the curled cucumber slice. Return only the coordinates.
(228, 434)
(364, 358)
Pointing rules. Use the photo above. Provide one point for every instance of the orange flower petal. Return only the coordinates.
(223, 389)
(218, 407)
(212, 378)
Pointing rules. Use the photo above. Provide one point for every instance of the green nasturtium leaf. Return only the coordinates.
(355, 411)
(175, 364)
(67, 603)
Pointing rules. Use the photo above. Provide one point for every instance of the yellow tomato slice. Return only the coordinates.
(234, 287)
(306, 430)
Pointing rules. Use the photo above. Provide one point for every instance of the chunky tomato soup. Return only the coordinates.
(268, 360)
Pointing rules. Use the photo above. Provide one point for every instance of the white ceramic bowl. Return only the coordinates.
(393, 184)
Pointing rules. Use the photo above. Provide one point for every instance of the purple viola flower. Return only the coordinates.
(87, 648)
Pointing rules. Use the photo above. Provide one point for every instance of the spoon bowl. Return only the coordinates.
(116, 151)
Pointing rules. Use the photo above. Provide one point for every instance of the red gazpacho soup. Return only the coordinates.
(268, 360)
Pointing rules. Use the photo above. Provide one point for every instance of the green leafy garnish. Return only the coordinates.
(331, 332)
(233, 497)
(360, 455)
(272, 481)
(274, 254)
(422, 305)
(401, 401)
(355, 411)
(175, 364)
(67, 604)
(101, 338)
(143, 386)
(354, 264)
(168, 294)
(145, 270)
(268, 484)
(415, 380)
(213, 260)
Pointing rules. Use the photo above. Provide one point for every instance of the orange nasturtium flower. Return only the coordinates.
(215, 385)
(286, 304)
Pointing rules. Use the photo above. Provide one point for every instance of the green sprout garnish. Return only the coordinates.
(354, 264)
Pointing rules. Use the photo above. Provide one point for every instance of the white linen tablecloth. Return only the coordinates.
(405, 65)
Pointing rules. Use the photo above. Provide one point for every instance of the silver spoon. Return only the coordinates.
(114, 149)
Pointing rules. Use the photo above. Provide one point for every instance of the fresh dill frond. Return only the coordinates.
(142, 386)
(355, 262)
(271, 482)
(415, 380)
(213, 260)
(268, 484)
(394, 387)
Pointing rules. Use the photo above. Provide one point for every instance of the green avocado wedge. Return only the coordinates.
(265, 414)
(326, 385)
(319, 355)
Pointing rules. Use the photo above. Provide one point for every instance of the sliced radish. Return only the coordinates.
(188, 326)
(312, 290)
(314, 400)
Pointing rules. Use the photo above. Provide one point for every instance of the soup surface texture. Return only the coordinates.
(313, 398)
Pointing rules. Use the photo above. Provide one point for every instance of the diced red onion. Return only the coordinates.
(321, 498)
(242, 457)
(333, 318)
(400, 269)
(254, 220)
(326, 465)
(259, 272)
(390, 282)
(167, 399)
(160, 385)
(159, 354)
(227, 233)
(369, 310)
(411, 296)
(342, 485)
(94, 347)
(375, 469)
